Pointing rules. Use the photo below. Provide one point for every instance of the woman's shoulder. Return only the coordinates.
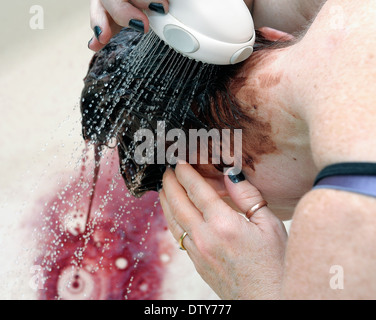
(341, 62)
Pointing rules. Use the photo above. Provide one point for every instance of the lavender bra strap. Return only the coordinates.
(352, 177)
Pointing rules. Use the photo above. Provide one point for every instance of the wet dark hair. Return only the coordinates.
(108, 105)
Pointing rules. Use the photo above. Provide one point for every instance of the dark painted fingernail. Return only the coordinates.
(97, 32)
(236, 178)
(89, 43)
(137, 25)
(159, 186)
(162, 169)
(157, 7)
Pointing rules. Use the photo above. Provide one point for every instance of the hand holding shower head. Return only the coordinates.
(217, 32)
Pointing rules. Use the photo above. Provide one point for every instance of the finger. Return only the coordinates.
(98, 22)
(172, 224)
(276, 35)
(245, 196)
(160, 6)
(122, 12)
(201, 193)
(94, 44)
(183, 210)
(103, 26)
(176, 230)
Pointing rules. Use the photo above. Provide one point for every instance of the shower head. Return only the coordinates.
(217, 32)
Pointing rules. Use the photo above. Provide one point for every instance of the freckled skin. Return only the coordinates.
(257, 133)
(277, 158)
(277, 155)
(269, 80)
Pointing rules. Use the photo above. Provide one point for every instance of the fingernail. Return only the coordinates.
(89, 43)
(162, 169)
(159, 186)
(172, 166)
(137, 25)
(97, 32)
(157, 7)
(236, 178)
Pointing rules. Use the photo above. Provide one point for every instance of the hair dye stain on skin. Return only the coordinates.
(257, 130)
(269, 80)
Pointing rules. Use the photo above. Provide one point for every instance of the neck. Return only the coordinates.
(264, 82)
(266, 94)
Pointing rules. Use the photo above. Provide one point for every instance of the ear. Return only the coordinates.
(275, 35)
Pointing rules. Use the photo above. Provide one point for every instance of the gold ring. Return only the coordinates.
(181, 241)
(255, 208)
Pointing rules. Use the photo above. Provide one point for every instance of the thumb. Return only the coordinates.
(245, 196)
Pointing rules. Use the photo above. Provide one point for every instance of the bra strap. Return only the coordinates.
(352, 177)
(347, 169)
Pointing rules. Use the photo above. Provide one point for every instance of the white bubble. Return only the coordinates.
(165, 258)
(74, 222)
(144, 287)
(75, 285)
(121, 263)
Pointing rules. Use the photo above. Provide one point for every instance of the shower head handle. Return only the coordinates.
(211, 31)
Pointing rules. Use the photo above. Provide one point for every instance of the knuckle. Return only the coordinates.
(192, 190)
(224, 229)
(249, 196)
(194, 193)
(175, 204)
(120, 18)
(204, 247)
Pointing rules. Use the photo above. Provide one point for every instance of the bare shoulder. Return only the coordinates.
(339, 52)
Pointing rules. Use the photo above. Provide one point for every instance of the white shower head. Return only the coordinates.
(211, 31)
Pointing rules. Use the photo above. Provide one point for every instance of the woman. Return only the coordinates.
(320, 113)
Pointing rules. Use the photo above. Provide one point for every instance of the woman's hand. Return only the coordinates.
(108, 17)
(237, 257)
